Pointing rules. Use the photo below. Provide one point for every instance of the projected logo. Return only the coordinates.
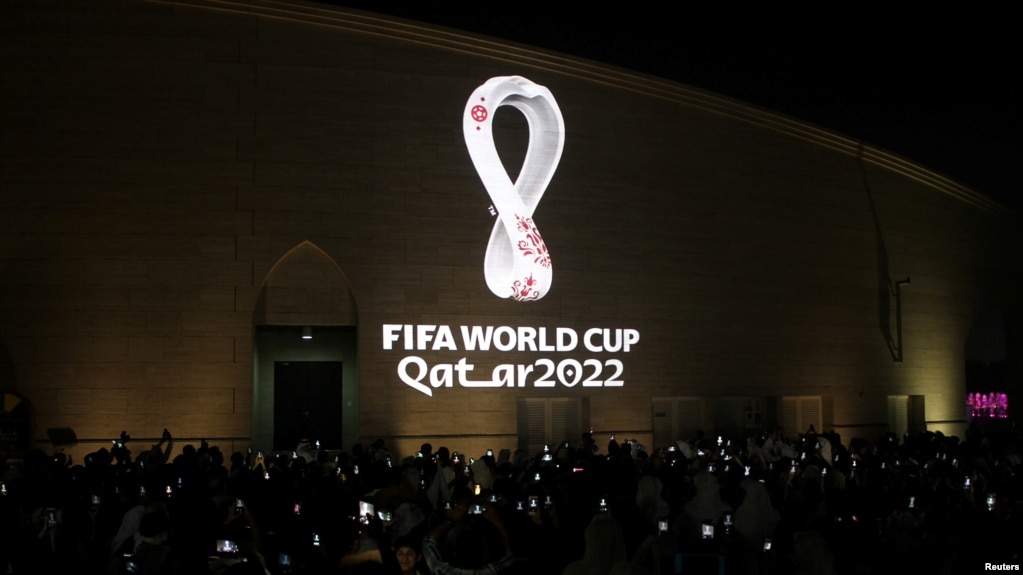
(517, 263)
(435, 356)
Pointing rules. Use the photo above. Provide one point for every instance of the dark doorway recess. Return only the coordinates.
(307, 403)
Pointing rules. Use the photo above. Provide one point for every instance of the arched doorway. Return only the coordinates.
(305, 377)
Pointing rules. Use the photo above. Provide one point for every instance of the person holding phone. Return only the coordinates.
(48, 520)
(756, 517)
(439, 490)
(475, 550)
(707, 503)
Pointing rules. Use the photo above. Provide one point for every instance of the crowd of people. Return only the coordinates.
(708, 504)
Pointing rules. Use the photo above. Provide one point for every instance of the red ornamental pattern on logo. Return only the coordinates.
(525, 289)
(517, 264)
(533, 246)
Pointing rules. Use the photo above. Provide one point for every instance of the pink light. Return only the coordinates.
(988, 406)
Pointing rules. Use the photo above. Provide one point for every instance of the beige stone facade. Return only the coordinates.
(184, 185)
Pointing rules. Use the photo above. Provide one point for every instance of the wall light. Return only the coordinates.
(307, 333)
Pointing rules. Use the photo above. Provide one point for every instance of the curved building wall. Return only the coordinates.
(181, 182)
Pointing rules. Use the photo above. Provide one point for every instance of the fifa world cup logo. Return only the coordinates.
(517, 263)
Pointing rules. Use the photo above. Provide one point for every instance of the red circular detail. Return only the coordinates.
(478, 113)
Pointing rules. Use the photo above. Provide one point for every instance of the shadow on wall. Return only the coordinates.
(886, 288)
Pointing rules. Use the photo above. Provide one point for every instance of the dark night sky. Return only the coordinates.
(939, 89)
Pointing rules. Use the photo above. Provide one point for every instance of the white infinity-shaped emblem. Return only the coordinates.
(517, 263)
